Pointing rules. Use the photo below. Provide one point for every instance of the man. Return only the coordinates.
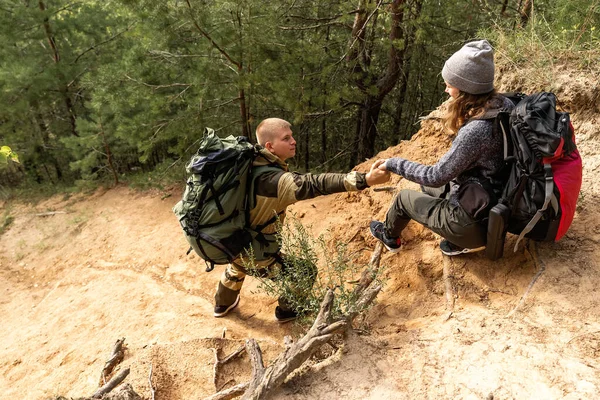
(275, 188)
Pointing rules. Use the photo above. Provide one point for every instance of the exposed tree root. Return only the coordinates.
(115, 358)
(152, 390)
(449, 289)
(125, 392)
(542, 267)
(110, 385)
(219, 362)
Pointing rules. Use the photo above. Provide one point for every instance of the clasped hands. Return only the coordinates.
(378, 174)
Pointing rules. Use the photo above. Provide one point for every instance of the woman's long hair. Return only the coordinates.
(464, 107)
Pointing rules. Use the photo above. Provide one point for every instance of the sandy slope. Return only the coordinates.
(114, 265)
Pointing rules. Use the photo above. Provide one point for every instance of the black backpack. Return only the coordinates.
(542, 174)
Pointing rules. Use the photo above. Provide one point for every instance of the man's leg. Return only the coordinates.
(301, 280)
(228, 289)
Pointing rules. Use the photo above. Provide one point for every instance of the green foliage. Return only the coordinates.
(97, 91)
(7, 154)
(302, 252)
(164, 175)
(564, 34)
(6, 221)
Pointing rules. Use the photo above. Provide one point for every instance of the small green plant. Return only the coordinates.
(79, 219)
(297, 283)
(7, 220)
(42, 246)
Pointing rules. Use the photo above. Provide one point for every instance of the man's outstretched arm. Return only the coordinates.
(290, 187)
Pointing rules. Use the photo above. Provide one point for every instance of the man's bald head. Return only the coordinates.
(268, 129)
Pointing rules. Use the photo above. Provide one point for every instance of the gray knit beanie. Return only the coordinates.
(471, 69)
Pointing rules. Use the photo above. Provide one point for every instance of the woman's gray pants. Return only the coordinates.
(432, 209)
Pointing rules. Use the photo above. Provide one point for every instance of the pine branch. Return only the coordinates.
(110, 39)
(206, 35)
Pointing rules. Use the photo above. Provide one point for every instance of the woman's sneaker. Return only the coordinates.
(378, 231)
(450, 249)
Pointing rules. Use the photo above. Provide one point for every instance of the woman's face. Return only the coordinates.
(451, 90)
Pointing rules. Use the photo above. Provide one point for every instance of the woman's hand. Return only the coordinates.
(380, 164)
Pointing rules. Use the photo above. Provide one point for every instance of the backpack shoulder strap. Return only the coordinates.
(255, 173)
(549, 190)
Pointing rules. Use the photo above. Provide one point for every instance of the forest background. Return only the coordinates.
(97, 92)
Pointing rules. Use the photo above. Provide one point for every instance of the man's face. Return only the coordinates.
(283, 144)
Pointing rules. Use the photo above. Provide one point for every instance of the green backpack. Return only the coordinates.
(214, 210)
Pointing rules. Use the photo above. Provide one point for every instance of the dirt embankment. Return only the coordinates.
(113, 265)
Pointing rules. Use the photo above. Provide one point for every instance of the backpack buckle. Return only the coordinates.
(209, 266)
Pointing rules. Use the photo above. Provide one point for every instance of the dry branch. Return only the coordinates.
(230, 393)
(258, 365)
(542, 267)
(233, 355)
(295, 354)
(385, 189)
(218, 362)
(47, 214)
(115, 358)
(125, 392)
(152, 390)
(449, 289)
(113, 383)
(215, 366)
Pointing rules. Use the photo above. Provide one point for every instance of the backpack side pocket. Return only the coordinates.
(474, 199)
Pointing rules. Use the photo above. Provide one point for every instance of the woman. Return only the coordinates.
(460, 188)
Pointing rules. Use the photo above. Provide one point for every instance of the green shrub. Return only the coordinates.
(302, 251)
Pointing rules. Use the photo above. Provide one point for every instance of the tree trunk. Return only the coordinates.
(504, 6)
(238, 64)
(70, 112)
(405, 62)
(244, 115)
(109, 159)
(525, 11)
(402, 88)
(324, 143)
(45, 155)
(63, 88)
(307, 149)
(369, 114)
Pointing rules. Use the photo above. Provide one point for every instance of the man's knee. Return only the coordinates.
(232, 278)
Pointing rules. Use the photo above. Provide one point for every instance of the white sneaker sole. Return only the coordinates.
(463, 251)
(283, 321)
(391, 250)
(231, 307)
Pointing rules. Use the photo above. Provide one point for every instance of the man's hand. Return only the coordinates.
(377, 174)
